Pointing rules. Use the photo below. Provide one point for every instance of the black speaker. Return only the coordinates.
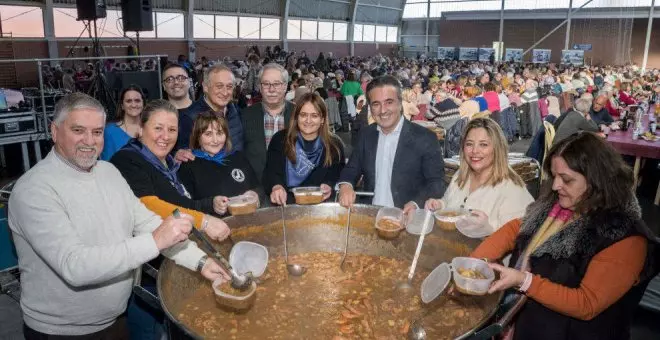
(91, 9)
(136, 15)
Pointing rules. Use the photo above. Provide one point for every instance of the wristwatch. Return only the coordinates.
(201, 263)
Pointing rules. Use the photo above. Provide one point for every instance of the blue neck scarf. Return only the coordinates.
(217, 158)
(306, 162)
(168, 171)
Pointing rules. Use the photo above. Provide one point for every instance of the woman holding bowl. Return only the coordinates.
(484, 184)
(304, 154)
(581, 252)
(217, 170)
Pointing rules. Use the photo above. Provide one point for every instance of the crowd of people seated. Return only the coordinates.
(266, 124)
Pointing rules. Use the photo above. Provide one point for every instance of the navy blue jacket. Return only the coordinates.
(187, 120)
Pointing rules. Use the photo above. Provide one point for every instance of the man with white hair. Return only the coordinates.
(218, 86)
(80, 234)
(262, 120)
(574, 121)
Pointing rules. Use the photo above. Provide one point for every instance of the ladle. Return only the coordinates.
(348, 224)
(293, 269)
(407, 285)
(238, 281)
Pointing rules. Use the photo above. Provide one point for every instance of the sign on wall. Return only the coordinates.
(583, 47)
(446, 53)
(468, 53)
(513, 55)
(572, 57)
(541, 56)
(485, 53)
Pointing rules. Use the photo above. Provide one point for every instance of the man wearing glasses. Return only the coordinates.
(218, 89)
(262, 120)
(176, 84)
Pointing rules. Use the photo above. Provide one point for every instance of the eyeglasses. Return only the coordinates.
(171, 79)
(272, 85)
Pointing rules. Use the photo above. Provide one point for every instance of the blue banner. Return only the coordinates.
(583, 47)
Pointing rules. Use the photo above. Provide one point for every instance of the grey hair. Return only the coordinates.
(215, 69)
(75, 101)
(274, 66)
(583, 105)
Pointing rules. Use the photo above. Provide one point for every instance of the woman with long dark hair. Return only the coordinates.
(127, 123)
(305, 154)
(582, 254)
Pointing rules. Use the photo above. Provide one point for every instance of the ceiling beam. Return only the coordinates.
(351, 27)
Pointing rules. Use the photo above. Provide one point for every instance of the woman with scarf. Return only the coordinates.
(582, 255)
(305, 154)
(217, 170)
(151, 171)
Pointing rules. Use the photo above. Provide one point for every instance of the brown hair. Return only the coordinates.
(119, 115)
(330, 142)
(471, 91)
(609, 179)
(501, 169)
(156, 105)
(202, 123)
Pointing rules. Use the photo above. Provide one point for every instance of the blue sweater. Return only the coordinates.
(187, 120)
(114, 138)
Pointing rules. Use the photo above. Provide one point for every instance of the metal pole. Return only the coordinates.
(556, 28)
(160, 79)
(35, 60)
(43, 100)
(648, 36)
(568, 25)
(500, 52)
(428, 18)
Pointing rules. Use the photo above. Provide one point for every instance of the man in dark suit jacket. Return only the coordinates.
(262, 120)
(399, 161)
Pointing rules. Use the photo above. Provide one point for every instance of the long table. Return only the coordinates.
(622, 141)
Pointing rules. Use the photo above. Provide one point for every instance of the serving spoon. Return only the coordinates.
(406, 286)
(238, 281)
(293, 269)
(348, 224)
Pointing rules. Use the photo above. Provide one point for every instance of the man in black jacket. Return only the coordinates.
(262, 120)
(399, 161)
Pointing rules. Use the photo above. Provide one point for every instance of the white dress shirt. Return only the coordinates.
(387, 144)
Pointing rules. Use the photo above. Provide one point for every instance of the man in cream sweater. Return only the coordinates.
(80, 233)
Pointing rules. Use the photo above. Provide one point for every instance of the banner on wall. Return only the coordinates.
(541, 56)
(572, 57)
(446, 53)
(468, 53)
(485, 53)
(513, 55)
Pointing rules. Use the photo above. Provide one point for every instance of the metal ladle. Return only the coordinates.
(348, 224)
(406, 286)
(238, 281)
(293, 269)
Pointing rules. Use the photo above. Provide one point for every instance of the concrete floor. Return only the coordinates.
(645, 325)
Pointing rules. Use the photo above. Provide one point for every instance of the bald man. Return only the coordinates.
(599, 113)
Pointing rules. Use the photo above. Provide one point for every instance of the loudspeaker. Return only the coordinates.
(90, 9)
(136, 15)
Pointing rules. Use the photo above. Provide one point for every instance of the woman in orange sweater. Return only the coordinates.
(581, 252)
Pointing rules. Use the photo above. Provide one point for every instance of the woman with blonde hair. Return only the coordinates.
(409, 103)
(485, 184)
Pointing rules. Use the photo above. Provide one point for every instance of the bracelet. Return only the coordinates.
(205, 224)
(201, 263)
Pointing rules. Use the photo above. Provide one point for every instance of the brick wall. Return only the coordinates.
(601, 33)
